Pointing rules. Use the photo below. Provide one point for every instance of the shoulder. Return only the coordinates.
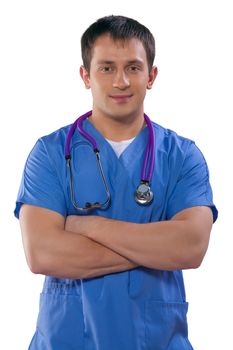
(168, 140)
(180, 153)
(49, 149)
(55, 139)
(53, 144)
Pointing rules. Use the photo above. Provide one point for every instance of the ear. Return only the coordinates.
(85, 77)
(152, 76)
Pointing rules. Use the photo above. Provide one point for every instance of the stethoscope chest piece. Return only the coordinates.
(143, 194)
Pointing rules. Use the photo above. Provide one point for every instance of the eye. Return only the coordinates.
(134, 69)
(106, 69)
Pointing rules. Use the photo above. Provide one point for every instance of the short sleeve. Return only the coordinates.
(192, 187)
(40, 185)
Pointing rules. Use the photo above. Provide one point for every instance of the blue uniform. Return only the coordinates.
(139, 309)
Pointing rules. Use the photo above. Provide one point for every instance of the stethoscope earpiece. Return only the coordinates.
(95, 205)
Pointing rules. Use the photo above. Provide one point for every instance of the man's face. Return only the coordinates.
(118, 77)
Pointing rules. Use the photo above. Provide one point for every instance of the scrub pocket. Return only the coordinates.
(60, 323)
(166, 326)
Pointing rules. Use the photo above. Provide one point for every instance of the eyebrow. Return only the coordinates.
(136, 61)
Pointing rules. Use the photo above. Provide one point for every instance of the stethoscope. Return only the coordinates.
(143, 194)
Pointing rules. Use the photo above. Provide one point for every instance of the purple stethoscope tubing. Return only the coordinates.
(150, 152)
(143, 195)
(150, 148)
(78, 124)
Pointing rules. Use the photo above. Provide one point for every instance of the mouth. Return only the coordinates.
(120, 98)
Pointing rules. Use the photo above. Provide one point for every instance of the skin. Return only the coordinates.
(90, 246)
(118, 79)
(152, 244)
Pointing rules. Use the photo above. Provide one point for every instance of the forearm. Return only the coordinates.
(162, 245)
(70, 255)
(51, 249)
(180, 243)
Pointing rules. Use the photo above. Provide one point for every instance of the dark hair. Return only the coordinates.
(119, 28)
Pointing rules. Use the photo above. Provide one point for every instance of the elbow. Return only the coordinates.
(194, 258)
(36, 263)
(196, 249)
(193, 263)
(35, 266)
(197, 260)
(41, 263)
(36, 256)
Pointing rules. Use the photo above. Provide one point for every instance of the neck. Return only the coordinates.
(118, 129)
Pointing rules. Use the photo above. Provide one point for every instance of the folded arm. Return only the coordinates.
(52, 250)
(180, 243)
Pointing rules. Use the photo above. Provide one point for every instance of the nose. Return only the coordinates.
(121, 80)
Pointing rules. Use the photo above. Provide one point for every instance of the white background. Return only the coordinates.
(40, 91)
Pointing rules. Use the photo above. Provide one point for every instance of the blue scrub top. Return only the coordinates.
(139, 309)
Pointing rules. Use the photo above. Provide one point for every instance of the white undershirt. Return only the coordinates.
(120, 146)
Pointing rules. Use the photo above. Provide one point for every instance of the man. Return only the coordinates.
(114, 268)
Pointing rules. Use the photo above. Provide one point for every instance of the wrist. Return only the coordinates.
(96, 227)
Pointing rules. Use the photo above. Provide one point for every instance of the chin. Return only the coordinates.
(122, 112)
